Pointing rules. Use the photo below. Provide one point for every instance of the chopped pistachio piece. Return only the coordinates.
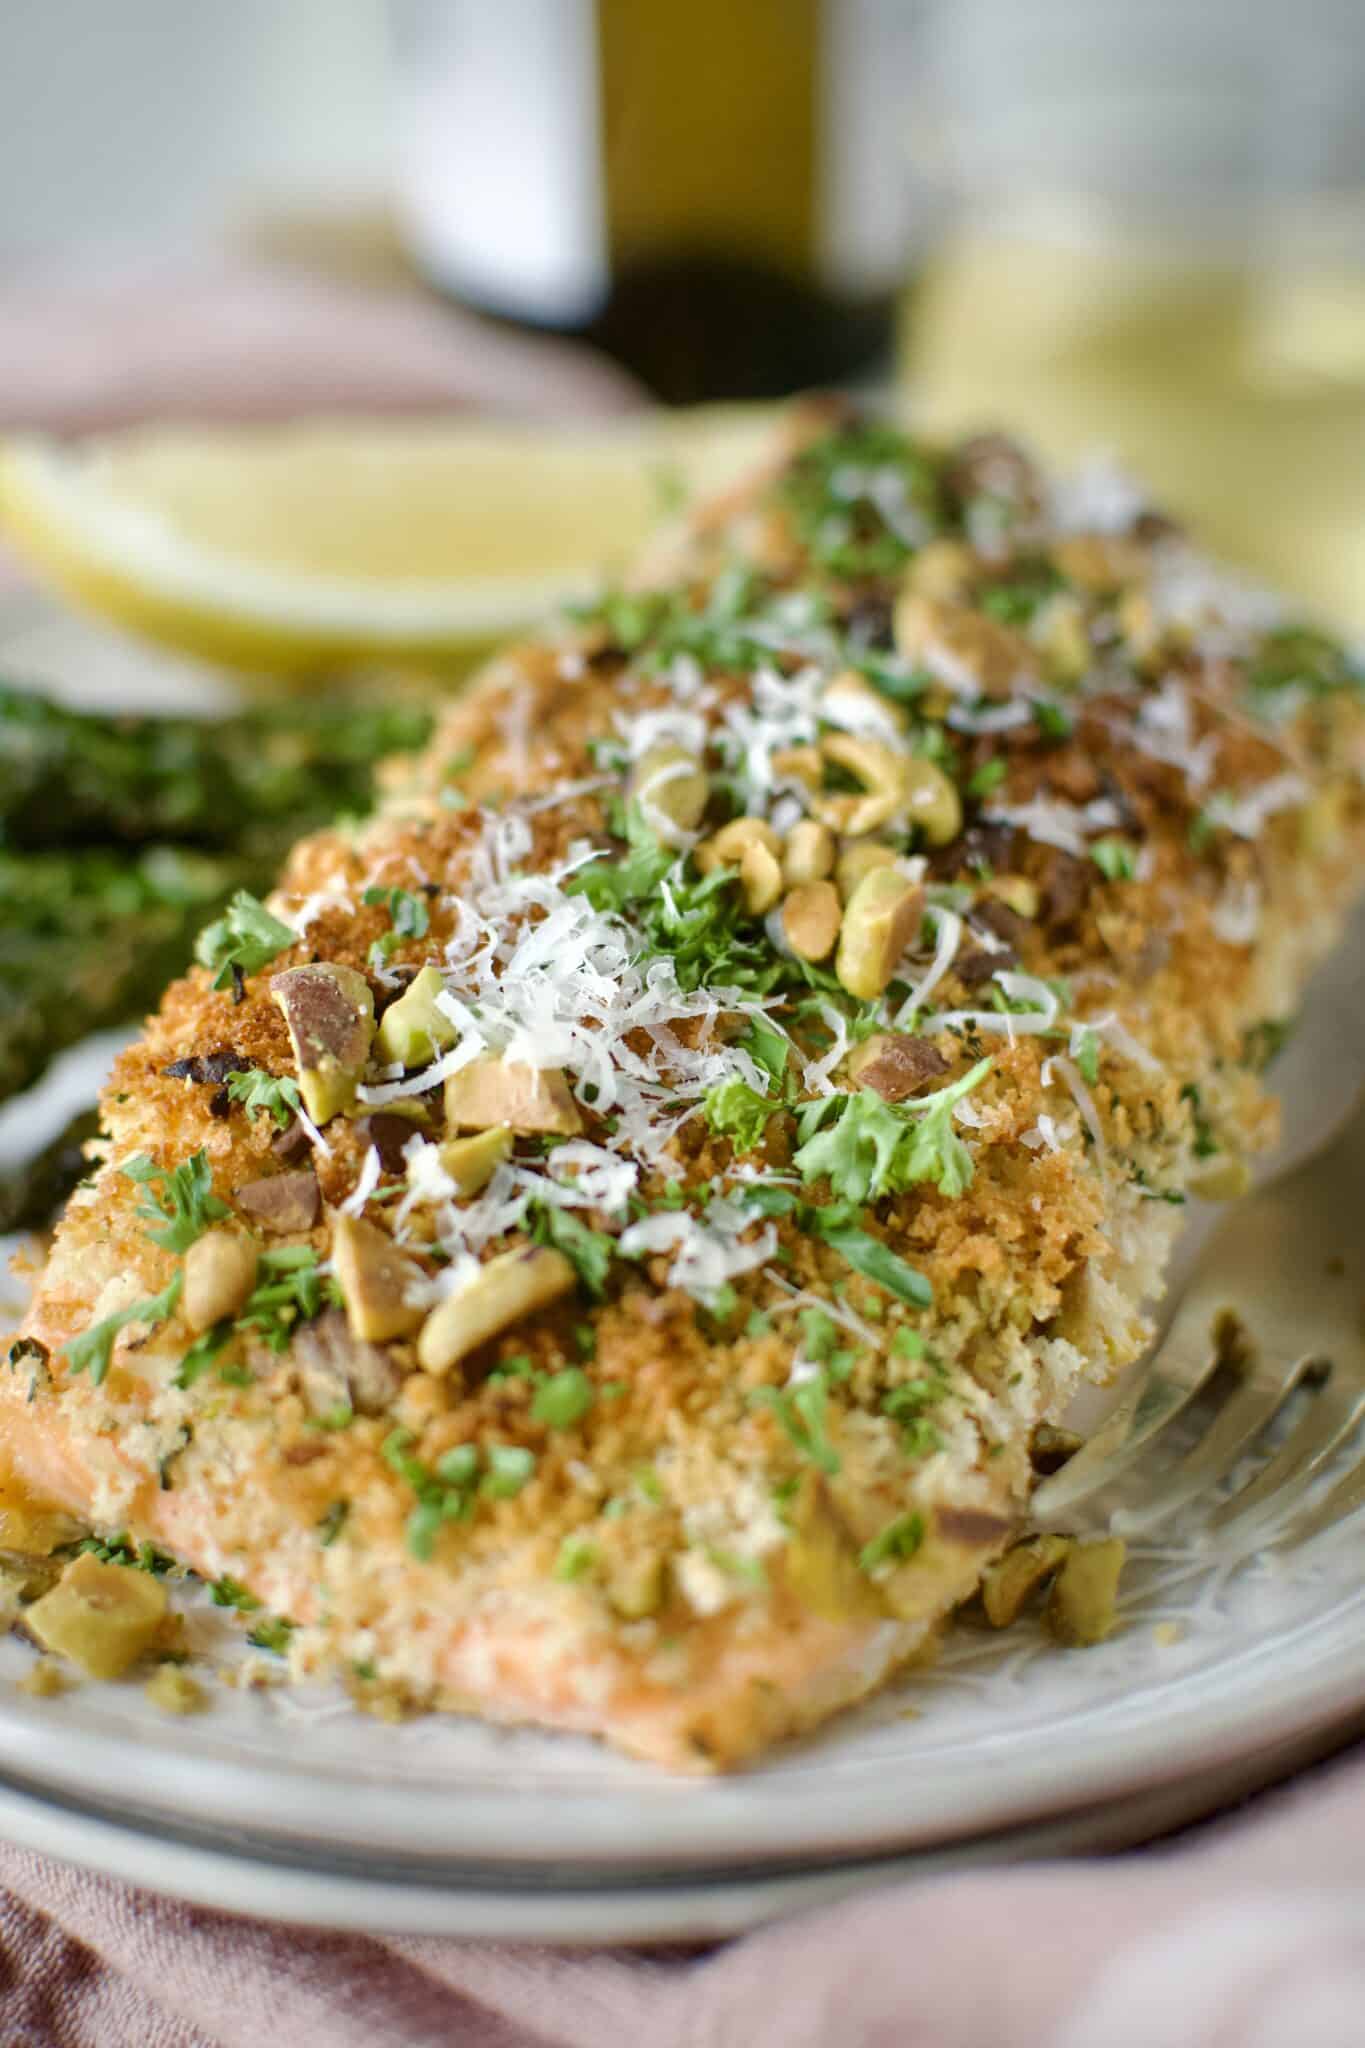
(502, 1292)
(412, 1031)
(878, 768)
(1081, 1610)
(810, 920)
(376, 1279)
(671, 786)
(882, 916)
(330, 1014)
(174, 1691)
(1010, 1582)
(472, 1162)
(100, 1616)
(492, 1091)
(43, 1680)
(220, 1272)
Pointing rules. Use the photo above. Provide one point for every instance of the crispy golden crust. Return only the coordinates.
(681, 1571)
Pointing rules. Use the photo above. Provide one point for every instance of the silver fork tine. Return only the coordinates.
(1237, 1424)
(1189, 1359)
(1334, 1412)
(1343, 1499)
(1293, 1258)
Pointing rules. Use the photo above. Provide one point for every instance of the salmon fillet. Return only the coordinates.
(596, 1246)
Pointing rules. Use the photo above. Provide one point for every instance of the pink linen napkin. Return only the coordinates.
(1251, 1935)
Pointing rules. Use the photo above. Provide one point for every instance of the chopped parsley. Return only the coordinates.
(410, 920)
(874, 1148)
(509, 1468)
(1086, 1053)
(271, 1634)
(738, 1112)
(92, 1350)
(907, 1405)
(590, 1252)
(139, 1557)
(230, 1592)
(245, 937)
(1265, 1040)
(801, 1411)
(563, 1399)
(448, 1493)
(202, 1353)
(768, 1047)
(1302, 658)
(185, 1204)
(575, 1560)
(898, 1541)
(331, 1524)
(1053, 720)
(616, 885)
(856, 496)
(277, 1094)
(819, 1335)
(1115, 858)
(289, 1291)
(1018, 602)
(876, 1261)
(988, 776)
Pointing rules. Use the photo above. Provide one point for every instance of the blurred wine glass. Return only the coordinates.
(1147, 233)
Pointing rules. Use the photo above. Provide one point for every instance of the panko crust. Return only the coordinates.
(692, 1562)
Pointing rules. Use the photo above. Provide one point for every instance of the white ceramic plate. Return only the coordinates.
(232, 1873)
(1217, 1662)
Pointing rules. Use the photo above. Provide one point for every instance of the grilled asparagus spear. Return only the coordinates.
(32, 1192)
(91, 936)
(122, 837)
(251, 783)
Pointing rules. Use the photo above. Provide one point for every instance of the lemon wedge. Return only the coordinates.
(287, 548)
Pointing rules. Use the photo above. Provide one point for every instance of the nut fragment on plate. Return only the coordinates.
(102, 1617)
(1082, 1609)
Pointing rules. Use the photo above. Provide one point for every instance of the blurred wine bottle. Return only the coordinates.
(1151, 241)
(712, 191)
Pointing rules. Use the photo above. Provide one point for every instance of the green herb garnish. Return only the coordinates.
(801, 1411)
(876, 1261)
(274, 1093)
(230, 1592)
(898, 1541)
(738, 1112)
(289, 1291)
(874, 1148)
(410, 920)
(576, 1558)
(271, 1634)
(92, 1350)
(184, 1206)
(563, 1399)
(246, 937)
(1116, 859)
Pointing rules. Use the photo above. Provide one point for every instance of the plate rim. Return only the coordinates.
(696, 1906)
(759, 1816)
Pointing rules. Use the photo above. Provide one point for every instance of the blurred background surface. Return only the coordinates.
(1136, 227)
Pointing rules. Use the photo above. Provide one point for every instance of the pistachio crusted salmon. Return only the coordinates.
(596, 1246)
